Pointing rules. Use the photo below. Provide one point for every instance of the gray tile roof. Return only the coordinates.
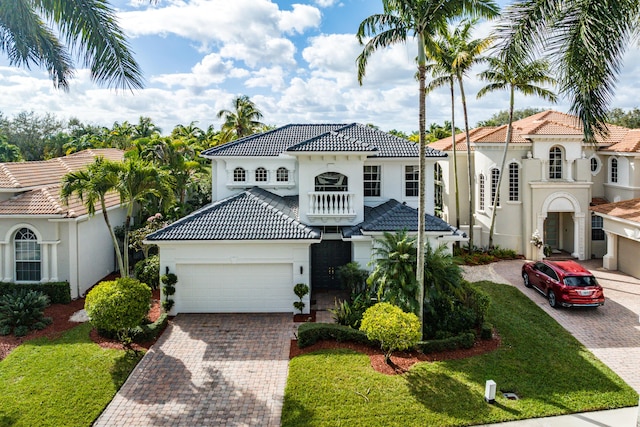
(321, 137)
(392, 216)
(254, 214)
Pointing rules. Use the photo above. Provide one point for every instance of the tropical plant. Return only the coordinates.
(586, 41)
(21, 311)
(349, 312)
(420, 19)
(147, 271)
(137, 236)
(47, 33)
(9, 152)
(243, 120)
(353, 278)
(92, 185)
(394, 273)
(514, 74)
(393, 328)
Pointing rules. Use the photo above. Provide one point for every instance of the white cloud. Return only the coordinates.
(325, 3)
(299, 19)
(272, 78)
(210, 70)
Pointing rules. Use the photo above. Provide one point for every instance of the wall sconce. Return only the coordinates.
(301, 269)
(490, 391)
(167, 269)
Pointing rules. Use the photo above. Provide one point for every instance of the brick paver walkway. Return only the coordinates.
(209, 369)
(611, 332)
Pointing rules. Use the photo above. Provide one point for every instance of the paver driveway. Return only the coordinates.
(209, 369)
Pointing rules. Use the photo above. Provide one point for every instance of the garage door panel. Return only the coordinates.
(628, 251)
(216, 288)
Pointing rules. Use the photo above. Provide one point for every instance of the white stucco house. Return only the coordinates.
(553, 182)
(44, 240)
(290, 206)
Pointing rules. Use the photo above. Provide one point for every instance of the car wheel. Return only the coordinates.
(552, 299)
(525, 277)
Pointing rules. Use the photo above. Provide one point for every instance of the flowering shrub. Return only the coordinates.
(536, 240)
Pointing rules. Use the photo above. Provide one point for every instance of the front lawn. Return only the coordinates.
(62, 382)
(547, 367)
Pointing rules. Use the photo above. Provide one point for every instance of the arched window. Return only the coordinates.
(514, 182)
(437, 189)
(239, 175)
(282, 175)
(614, 170)
(495, 177)
(27, 256)
(555, 163)
(261, 175)
(594, 164)
(481, 192)
(331, 181)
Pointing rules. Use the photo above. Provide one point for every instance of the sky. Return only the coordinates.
(295, 60)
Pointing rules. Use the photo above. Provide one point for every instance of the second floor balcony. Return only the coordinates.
(331, 205)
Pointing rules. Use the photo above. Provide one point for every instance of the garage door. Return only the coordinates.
(234, 288)
(628, 251)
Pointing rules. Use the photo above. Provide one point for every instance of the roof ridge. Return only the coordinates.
(54, 200)
(12, 178)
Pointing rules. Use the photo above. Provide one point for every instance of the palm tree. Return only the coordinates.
(514, 74)
(586, 39)
(88, 28)
(419, 19)
(91, 185)
(243, 120)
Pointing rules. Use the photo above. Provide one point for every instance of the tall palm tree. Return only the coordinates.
(587, 41)
(418, 19)
(91, 185)
(87, 27)
(243, 120)
(514, 74)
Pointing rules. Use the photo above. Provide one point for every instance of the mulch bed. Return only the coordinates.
(401, 361)
(60, 313)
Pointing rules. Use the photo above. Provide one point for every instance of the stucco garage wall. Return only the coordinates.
(628, 254)
(236, 277)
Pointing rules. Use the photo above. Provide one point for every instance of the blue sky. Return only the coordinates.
(294, 59)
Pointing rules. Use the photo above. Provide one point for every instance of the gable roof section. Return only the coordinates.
(23, 175)
(254, 214)
(630, 143)
(392, 216)
(627, 209)
(352, 137)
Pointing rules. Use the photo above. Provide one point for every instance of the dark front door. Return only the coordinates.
(326, 257)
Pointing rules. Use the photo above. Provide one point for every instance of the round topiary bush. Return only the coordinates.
(148, 271)
(391, 327)
(118, 305)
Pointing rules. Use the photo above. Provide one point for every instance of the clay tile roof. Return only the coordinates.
(595, 201)
(630, 143)
(37, 173)
(46, 200)
(627, 209)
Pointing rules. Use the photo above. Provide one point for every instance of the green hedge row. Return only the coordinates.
(140, 334)
(464, 340)
(310, 333)
(58, 292)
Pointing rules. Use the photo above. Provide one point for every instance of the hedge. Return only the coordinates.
(58, 292)
(310, 333)
(464, 340)
(148, 332)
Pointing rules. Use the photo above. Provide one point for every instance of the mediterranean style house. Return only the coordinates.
(581, 198)
(44, 240)
(291, 205)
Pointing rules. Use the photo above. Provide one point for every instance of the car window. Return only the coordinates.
(549, 272)
(580, 281)
(538, 266)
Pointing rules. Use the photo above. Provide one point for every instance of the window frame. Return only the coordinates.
(556, 160)
(282, 172)
(27, 238)
(411, 186)
(372, 180)
(597, 229)
(343, 186)
(261, 175)
(438, 190)
(514, 182)
(613, 172)
(239, 173)
(495, 177)
(481, 192)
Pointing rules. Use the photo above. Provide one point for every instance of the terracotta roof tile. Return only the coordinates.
(626, 209)
(630, 143)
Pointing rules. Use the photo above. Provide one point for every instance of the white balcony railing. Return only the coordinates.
(331, 204)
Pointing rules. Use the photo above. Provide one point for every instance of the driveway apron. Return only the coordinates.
(209, 369)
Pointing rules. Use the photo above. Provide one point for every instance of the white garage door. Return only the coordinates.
(234, 288)
(628, 252)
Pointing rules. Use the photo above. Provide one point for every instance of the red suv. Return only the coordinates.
(564, 283)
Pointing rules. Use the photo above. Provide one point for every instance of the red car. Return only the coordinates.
(564, 283)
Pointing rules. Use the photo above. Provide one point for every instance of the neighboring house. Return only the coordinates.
(44, 240)
(553, 183)
(291, 205)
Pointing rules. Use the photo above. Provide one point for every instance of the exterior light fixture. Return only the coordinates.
(301, 269)
(490, 391)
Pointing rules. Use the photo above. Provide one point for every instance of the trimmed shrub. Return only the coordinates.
(21, 311)
(465, 340)
(486, 331)
(148, 271)
(58, 292)
(169, 281)
(118, 305)
(391, 327)
(311, 333)
(148, 332)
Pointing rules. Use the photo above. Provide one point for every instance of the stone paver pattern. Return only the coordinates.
(610, 332)
(209, 369)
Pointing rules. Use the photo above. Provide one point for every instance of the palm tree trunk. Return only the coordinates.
(114, 239)
(127, 227)
(455, 156)
(422, 68)
(469, 164)
(502, 164)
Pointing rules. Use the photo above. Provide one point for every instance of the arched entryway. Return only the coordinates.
(563, 223)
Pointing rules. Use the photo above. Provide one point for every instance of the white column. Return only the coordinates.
(53, 263)
(44, 262)
(545, 171)
(8, 258)
(578, 236)
(570, 170)
(610, 260)
(2, 256)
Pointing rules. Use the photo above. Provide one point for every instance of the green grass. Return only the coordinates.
(62, 382)
(547, 367)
